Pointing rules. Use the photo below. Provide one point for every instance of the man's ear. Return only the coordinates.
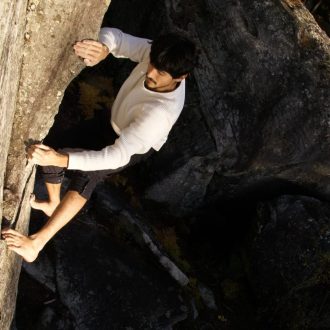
(184, 76)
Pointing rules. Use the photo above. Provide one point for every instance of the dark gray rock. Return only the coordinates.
(103, 271)
(255, 125)
(259, 97)
(107, 285)
(52, 319)
(42, 270)
(185, 188)
(293, 271)
(104, 286)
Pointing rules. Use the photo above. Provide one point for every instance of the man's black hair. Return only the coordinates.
(174, 54)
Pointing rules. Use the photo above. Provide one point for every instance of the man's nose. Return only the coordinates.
(152, 72)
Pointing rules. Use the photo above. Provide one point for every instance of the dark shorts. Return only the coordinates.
(91, 134)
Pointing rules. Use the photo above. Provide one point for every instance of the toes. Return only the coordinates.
(12, 232)
(10, 239)
(5, 236)
(13, 247)
(88, 62)
(12, 242)
(6, 231)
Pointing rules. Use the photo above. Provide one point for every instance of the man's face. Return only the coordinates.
(160, 81)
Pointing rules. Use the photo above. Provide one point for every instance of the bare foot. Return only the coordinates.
(48, 207)
(25, 246)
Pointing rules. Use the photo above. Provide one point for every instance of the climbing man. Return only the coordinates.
(143, 113)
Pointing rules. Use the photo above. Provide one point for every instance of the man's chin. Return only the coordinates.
(150, 86)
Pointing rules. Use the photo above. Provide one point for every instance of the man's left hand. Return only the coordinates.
(43, 155)
(91, 51)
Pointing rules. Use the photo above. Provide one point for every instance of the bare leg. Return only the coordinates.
(48, 206)
(29, 246)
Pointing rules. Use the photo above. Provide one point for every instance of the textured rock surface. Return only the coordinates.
(100, 272)
(10, 264)
(37, 63)
(255, 125)
(294, 271)
(260, 102)
(49, 64)
(259, 97)
(12, 27)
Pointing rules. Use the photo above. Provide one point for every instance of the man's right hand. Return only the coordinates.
(40, 154)
(91, 51)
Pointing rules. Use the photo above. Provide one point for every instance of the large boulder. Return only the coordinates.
(38, 63)
(259, 99)
(293, 272)
(102, 271)
(255, 125)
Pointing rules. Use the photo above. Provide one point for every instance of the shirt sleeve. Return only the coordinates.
(137, 138)
(123, 45)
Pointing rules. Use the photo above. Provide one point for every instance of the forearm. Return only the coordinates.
(62, 160)
(55, 158)
(124, 45)
(111, 157)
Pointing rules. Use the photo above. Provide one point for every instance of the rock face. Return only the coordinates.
(263, 83)
(258, 100)
(11, 37)
(12, 30)
(37, 64)
(255, 126)
(99, 271)
(292, 272)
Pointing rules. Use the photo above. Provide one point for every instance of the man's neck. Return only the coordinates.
(165, 89)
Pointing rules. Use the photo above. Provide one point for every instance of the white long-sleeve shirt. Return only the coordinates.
(142, 118)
